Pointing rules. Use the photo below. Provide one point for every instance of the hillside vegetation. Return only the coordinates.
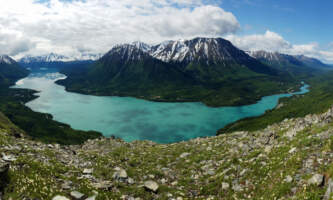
(289, 160)
(317, 100)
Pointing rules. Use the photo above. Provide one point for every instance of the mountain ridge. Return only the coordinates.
(53, 57)
(294, 59)
(203, 70)
(298, 66)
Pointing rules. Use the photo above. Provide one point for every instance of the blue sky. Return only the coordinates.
(299, 21)
(82, 27)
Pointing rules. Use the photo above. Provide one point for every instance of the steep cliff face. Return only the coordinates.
(292, 159)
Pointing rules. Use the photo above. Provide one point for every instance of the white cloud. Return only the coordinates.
(95, 25)
(13, 42)
(271, 41)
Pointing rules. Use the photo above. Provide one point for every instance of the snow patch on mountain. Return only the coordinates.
(142, 46)
(6, 60)
(53, 57)
(127, 52)
(209, 50)
(270, 56)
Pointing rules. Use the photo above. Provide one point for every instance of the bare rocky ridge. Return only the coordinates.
(288, 160)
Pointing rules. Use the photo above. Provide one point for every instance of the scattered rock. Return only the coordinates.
(174, 183)
(237, 187)
(309, 163)
(288, 179)
(184, 155)
(92, 197)
(130, 181)
(66, 185)
(225, 186)
(316, 179)
(243, 172)
(329, 190)
(88, 171)
(268, 149)
(120, 175)
(8, 158)
(292, 150)
(58, 197)
(77, 195)
(151, 185)
(103, 185)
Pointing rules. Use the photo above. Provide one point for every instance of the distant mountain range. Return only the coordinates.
(276, 58)
(299, 65)
(53, 60)
(211, 70)
(10, 71)
(53, 57)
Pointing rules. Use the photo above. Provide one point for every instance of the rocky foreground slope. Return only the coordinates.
(289, 160)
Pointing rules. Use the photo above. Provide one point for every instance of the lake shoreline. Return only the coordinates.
(246, 102)
(136, 118)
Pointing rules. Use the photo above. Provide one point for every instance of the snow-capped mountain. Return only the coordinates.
(272, 56)
(198, 50)
(208, 50)
(275, 58)
(127, 53)
(142, 46)
(53, 57)
(10, 71)
(4, 59)
(191, 57)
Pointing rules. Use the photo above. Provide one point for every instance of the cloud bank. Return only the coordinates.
(76, 27)
(69, 27)
(271, 41)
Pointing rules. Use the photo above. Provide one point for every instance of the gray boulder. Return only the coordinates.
(120, 175)
(151, 185)
(77, 195)
(329, 190)
(316, 179)
(58, 197)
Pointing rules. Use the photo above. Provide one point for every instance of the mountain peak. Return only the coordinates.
(127, 53)
(143, 46)
(5, 59)
(268, 55)
(199, 50)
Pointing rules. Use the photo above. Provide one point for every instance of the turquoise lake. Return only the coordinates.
(135, 119)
